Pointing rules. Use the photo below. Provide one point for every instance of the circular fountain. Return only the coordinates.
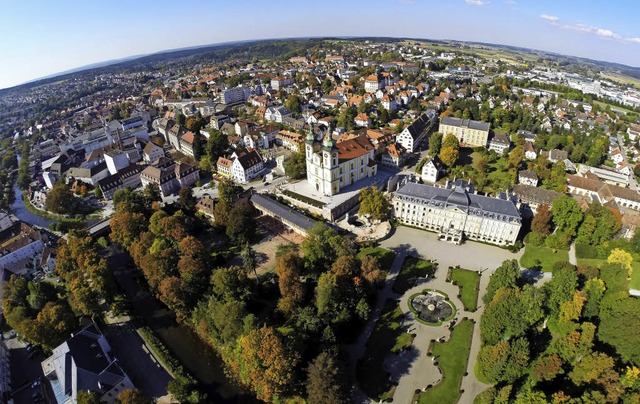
(432, 307)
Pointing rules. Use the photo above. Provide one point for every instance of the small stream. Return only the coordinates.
(20, 211)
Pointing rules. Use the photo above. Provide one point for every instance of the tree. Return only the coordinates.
(504, 362)
(126, 227)
(541, 222)
(264, 363)
(567, 214)
(132, 396)
(620, 257)
(295, 165)
(619, 314)
(53, 324)
(186, 199)
(87, 397)
(374, 204)
(505, 276)
(435, 142)
(293, 103)
(217, 145)
(561, 287)
(515, 157)
(326, 381)
(291, 288)
(452, 141)
(547, 367)
(371, 271)
(60, 199)
(249, 260)
(230, 284)
(151, 193)
(240, 227)
(449, 155)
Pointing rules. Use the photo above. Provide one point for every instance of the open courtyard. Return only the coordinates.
(413, 369)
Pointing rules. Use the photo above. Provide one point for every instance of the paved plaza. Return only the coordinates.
(413, 369)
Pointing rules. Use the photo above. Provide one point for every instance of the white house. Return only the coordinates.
(431, 170)
(277, 114)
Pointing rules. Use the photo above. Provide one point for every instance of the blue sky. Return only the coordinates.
(44, 37)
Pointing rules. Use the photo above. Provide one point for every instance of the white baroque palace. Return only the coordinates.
(455, 213)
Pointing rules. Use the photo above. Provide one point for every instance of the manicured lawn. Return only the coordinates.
(542, 256)
(412, 269)
(387, 337)
(385, 257)
(468, 282)
(634, 283)
(452, 357)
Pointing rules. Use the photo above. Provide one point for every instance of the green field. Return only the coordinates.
(468, 282)
(385, 257)
(387, 337)
(452, 357)
(542, 256)
(412, 269)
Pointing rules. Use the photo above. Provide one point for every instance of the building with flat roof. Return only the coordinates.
(455, 213)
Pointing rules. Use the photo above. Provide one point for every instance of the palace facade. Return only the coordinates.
(455, 213)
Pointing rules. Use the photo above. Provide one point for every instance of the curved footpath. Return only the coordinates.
(413, 369)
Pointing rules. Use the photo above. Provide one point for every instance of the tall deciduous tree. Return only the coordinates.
(541, 222)
(435, 142)
(288, 269)
(264, 363)
(60, 199)
(374, 204)
(567, 214)
(326, 381)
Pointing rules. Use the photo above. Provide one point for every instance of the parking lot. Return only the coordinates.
(24, 371)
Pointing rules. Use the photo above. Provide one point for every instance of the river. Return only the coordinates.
(20, 211)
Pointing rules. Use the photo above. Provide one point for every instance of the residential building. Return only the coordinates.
(115, 160)
(500, 143)
(206, 206)
(412, 135)
(606, 194)
(470, 133)
(456, 214)
(332, 166)
(281, 82)
(85, 363)
(128, 177)
(89, 175)
(187, 143)
(235, 95)
(556, 155)
(362, 120)
(530, 198)
(528, 177)
(431, 170)
(394, 156)
(241, 167)
(290, 140)
(152, 152)
(529, 151)
(169, 176)
(277, 114)
(373, 83)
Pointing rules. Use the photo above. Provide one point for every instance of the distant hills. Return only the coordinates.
(142, 61)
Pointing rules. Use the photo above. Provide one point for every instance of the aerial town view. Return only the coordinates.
(354, 202)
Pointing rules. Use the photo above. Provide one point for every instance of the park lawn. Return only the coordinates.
(468, 282)
(387, 337)
(452, 357)
(412, 269)
(634, 283)
(545, 255)
(385, 257)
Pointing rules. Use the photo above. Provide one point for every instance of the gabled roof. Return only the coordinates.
(467, 123)
(249, 159)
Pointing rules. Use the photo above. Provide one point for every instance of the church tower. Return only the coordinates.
(330, 166)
